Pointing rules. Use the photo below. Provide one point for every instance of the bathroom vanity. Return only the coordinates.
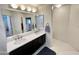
(17, 27)
(27, 45)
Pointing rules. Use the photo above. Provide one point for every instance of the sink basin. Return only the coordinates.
(19, 41)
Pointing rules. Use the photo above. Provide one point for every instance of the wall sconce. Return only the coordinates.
(14, 6)
(22, 7)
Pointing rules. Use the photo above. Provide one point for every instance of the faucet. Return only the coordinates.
(17, 37)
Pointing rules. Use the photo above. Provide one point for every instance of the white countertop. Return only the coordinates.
(12, 45)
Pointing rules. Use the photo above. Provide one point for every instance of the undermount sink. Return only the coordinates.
(19, 41)
(26, 38)
(23, 39)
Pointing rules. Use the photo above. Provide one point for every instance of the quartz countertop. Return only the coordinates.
(14, 44)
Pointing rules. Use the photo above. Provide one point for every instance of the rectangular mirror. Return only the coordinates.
(17, 22)
(28, 24)
(40, 21)
(8, 25)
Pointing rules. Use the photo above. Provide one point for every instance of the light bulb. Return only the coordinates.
(14, 6)
(29, 9)
(34, 9)
(22, 7)
(58, 6)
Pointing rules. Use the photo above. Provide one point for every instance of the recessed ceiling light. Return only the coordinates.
(29, 9)
(14, 6)
(22, 7)
(58, 5)
(34, 9)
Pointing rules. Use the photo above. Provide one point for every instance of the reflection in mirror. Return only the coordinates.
(22, 27)
(7, 24)
(16, 22)
(39, 21)
(28, 24)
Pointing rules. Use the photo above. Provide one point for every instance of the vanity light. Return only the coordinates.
(22, 7)
(34, 9)
(29, 9)
(14, 6)
(58, 6)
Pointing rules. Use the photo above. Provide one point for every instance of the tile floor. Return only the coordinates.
(63, 48)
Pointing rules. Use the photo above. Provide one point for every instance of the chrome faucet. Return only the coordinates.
(17, 37)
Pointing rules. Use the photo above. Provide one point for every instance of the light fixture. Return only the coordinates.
(29, 9)
(14, 6)
(22, 7)
(58, 5)
(34, 9)
(52, 7)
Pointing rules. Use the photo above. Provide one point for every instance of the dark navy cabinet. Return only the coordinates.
(30, 47)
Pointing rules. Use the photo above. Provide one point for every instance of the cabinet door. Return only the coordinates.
(23, 50)
(29, 48)
(39, 42)
(42, 39)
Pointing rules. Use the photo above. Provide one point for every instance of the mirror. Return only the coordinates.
(40, 21)
(7, 24)
(17, 22)
(22, 27)
(28, 24)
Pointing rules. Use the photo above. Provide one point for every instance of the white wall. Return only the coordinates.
(2, 35)
(61, 22)
(46, 11)
(73, 34)
(66, 24)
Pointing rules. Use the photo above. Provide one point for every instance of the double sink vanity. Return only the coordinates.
(26, 45)
(24, 31)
